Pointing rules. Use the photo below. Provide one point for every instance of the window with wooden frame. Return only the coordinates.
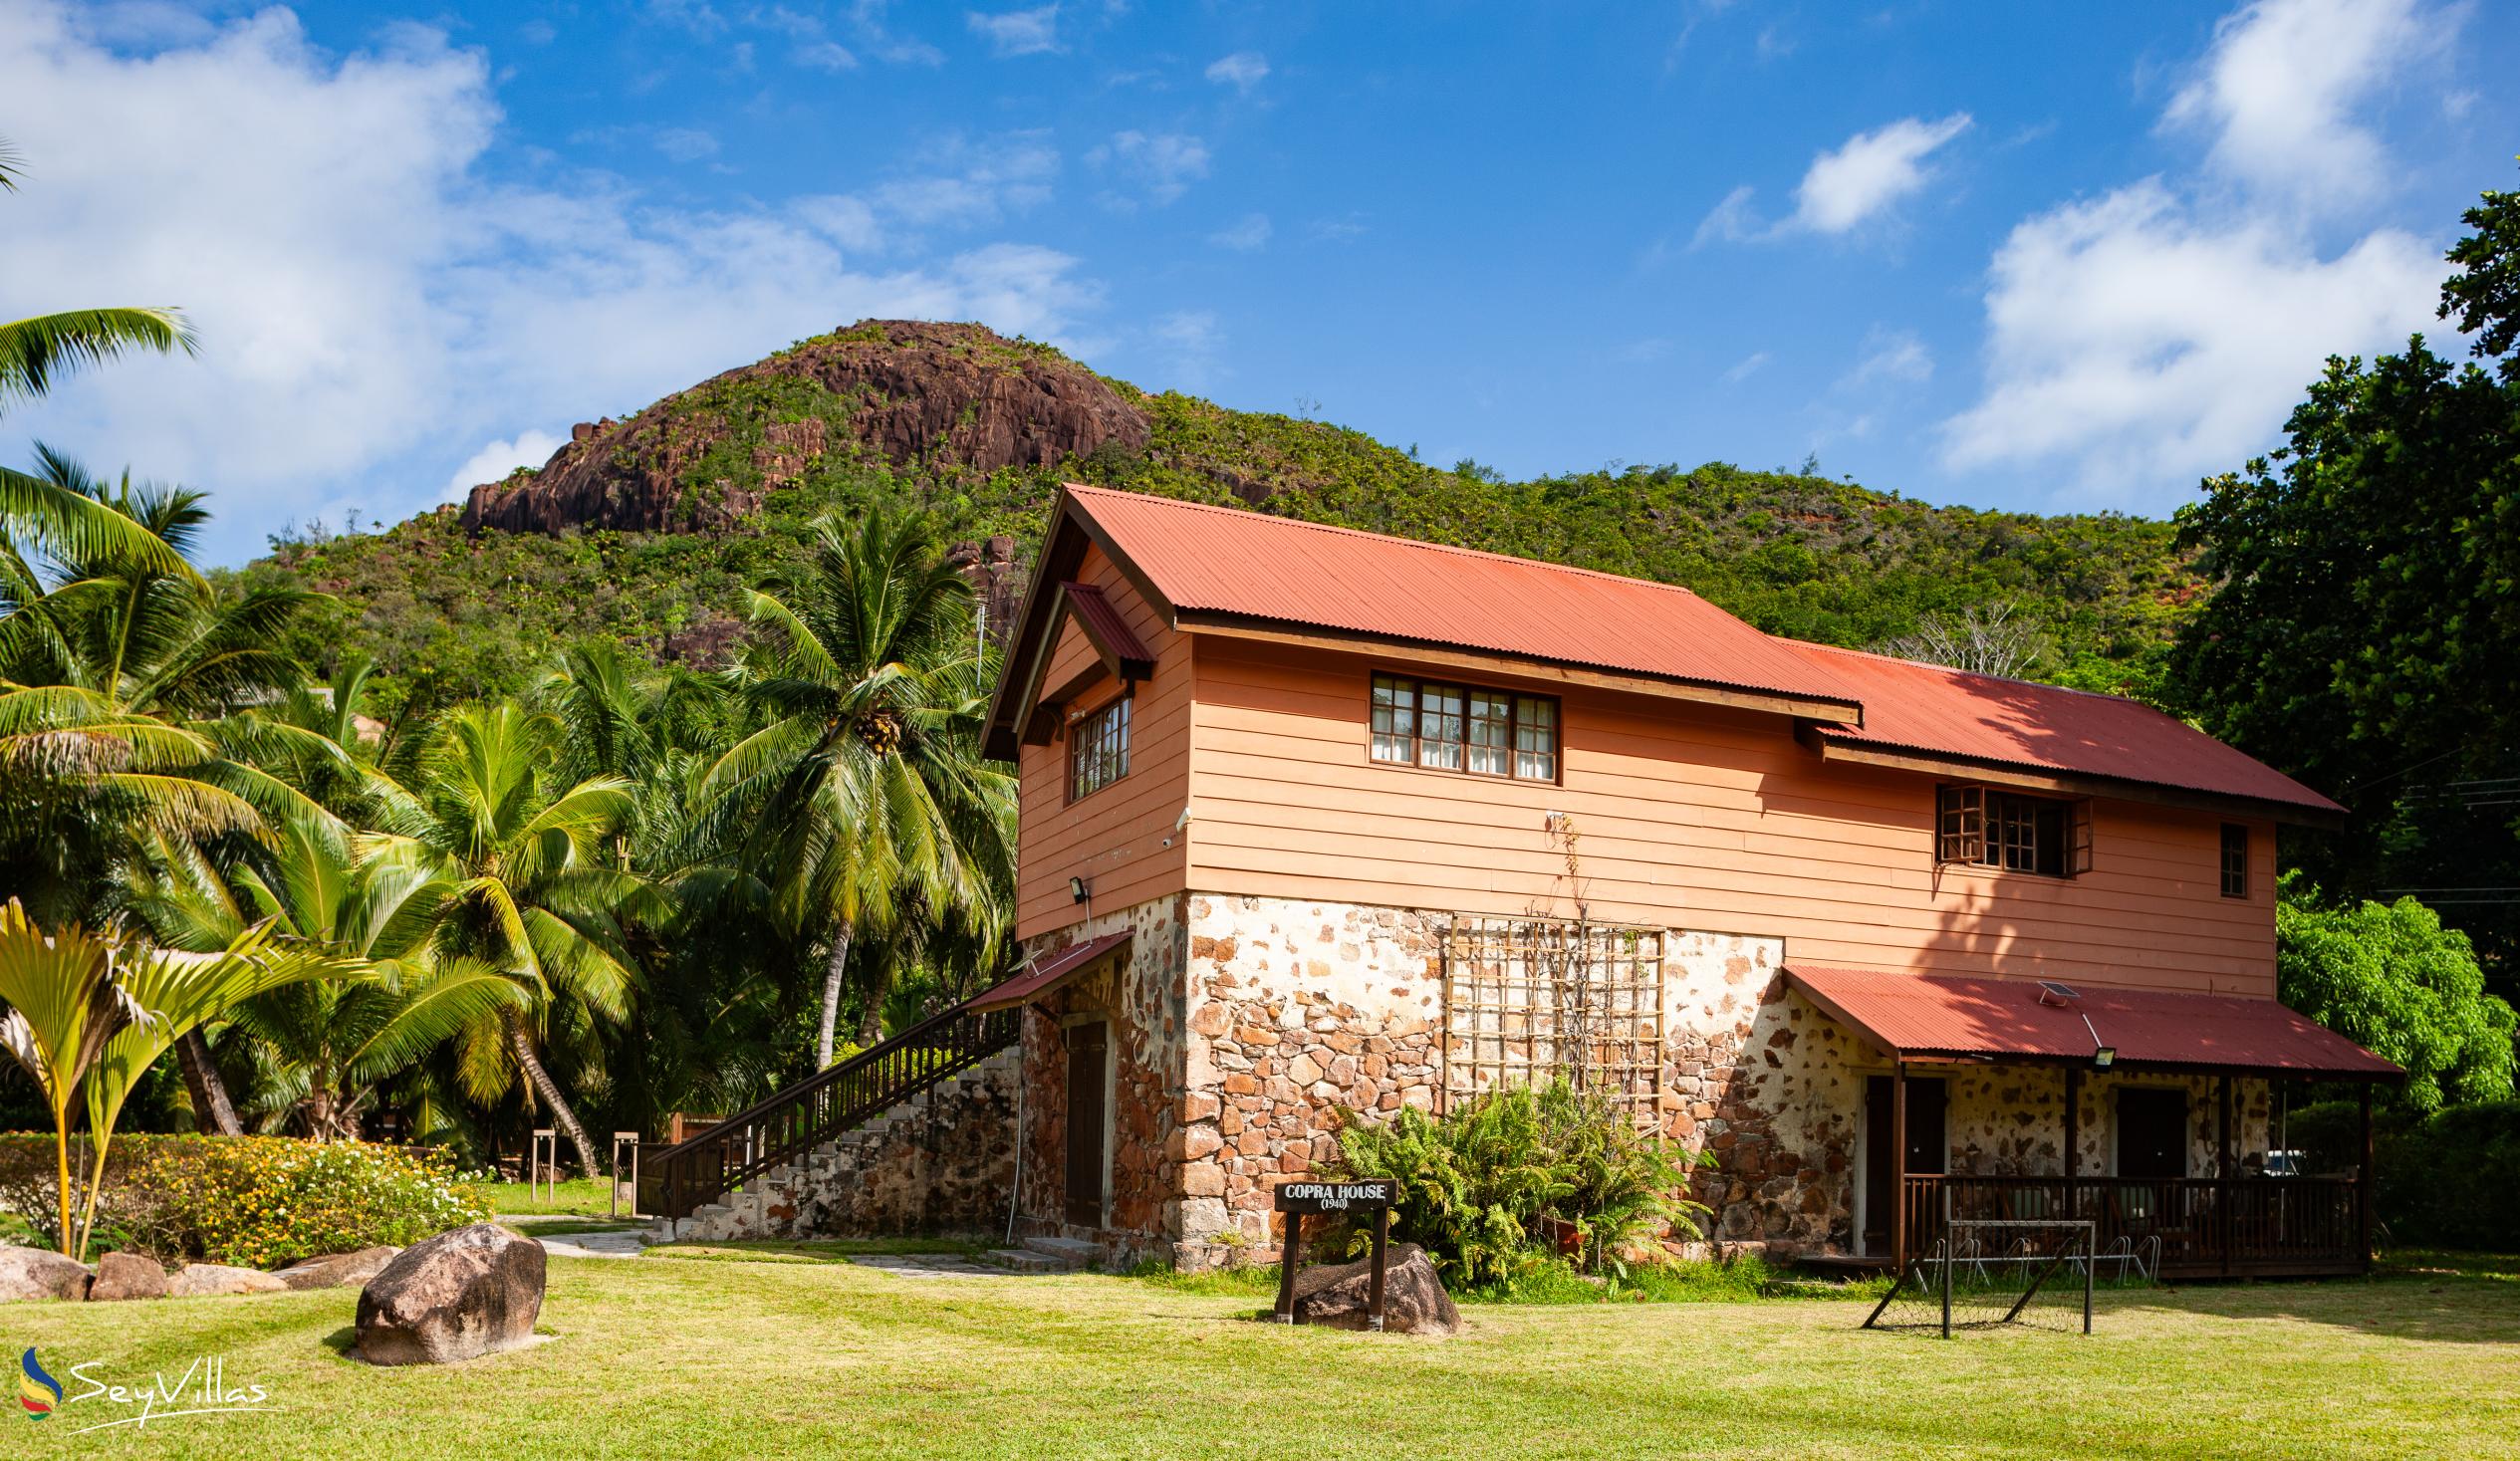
(1097, 749)
(1986, 827)
(1464, 728)
(2235, 860)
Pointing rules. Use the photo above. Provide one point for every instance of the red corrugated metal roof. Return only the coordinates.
(1222, 560)
(1047, 973)
(1103, 624)
(1965, 1015)
(1948, 712)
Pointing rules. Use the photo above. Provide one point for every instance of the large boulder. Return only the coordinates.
(472, 1291)
(201, 1280)
(338, 1270)
(1414, 1300)
(127, 1276)
(38, 1273)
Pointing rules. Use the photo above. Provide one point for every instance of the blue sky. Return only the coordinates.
(2023, 256)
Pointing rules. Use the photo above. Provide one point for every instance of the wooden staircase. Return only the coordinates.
(701, 1172)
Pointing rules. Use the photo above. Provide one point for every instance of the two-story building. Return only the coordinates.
(1318, 823)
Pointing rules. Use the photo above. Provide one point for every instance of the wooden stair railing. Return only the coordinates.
(675, 1182)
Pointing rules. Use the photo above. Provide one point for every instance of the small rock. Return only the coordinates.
(1414, 1298)
(472, 1291)
(338, 1270)
(198, 1279)
(127, 1276)
(38, 1273)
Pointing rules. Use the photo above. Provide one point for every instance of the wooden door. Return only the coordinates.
(2151, 1133)
(1928, 1145)
(1088, 1088)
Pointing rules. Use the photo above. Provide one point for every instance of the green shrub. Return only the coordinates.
(1485, 1188)
(2444, 1179)
(254, 1201)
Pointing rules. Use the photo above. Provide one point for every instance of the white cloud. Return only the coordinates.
(2280, 85)
(1162, 165)
(497, 459)
(1746, 366)
(827, 56)
(976, 182)
(1874, 171)
(685, 143)
(875, 37)
(1247, 234)
(1190, 344)
(1018, 32)
(2162, 331)
(371, 306)
(1242, 70)
(2147, 347)
(1729, 221)
(1893, 355)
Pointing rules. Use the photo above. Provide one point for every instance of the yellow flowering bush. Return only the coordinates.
(267, 1201)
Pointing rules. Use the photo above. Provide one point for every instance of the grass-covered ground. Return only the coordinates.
(803, 1354)
(579, 1196)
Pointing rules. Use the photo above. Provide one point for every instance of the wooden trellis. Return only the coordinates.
(1529, 999)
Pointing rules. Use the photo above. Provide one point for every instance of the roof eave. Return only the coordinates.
(1318, 637)
(1837, 748)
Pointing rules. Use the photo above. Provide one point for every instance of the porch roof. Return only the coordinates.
(1959, 1016)
(1047, 973)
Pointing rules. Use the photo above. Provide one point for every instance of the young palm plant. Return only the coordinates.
(863, 790)
(117, 680)
(35, 353)
(531, 893)
(364, 902)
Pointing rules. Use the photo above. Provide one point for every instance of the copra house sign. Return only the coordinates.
(1317, 1197)
(1299, 1200)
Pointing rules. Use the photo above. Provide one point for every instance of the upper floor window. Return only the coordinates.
(1097, 749)
(1988, 828)
(2235, 860)
(1464, 728)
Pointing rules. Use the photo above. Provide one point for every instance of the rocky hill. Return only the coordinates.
(648, 529)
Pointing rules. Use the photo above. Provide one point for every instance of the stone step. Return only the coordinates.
(1026, 1261)
(1070, 1253)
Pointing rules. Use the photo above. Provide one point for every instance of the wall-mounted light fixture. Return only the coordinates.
(1080, 889)
(2103, 1056)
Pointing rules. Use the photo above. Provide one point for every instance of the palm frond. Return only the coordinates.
(36, 351)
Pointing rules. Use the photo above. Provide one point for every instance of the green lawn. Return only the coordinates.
(796, 1356)
(584, 1196)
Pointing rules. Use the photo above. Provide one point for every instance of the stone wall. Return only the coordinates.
(1758, 1076)
(940, 1162)
(2010, 1121)
(1139, 995)
(1299, 1012)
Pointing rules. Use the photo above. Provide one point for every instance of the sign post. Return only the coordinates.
(1298, 1200)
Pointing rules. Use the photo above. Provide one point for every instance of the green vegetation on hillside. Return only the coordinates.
(449, 615)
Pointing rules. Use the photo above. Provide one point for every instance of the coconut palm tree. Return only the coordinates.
(117, 676)
(35, 353)
(530, 894)
(366, 903)
(864, 791)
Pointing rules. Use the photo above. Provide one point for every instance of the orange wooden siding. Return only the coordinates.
(1115, 837)
(1691, 817)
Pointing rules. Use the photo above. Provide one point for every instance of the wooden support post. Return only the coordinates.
(1898, 1168)
(2073, 1138)
(1288, 1260)
(1381, 1243)
(2363, 1191)
(1948, 1253)
(624, 1142)
(2226, 1219)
